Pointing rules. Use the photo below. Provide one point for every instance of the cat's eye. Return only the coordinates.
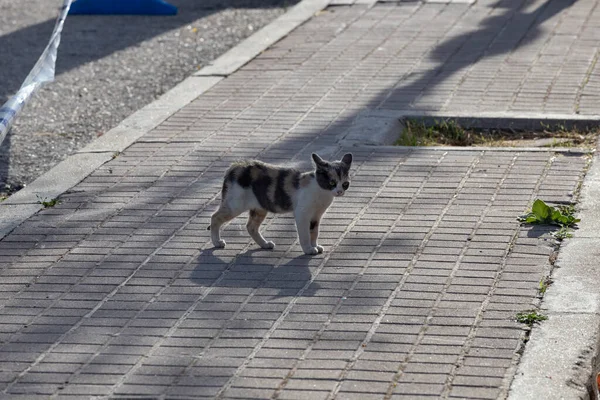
(346, 185)
(332, 183)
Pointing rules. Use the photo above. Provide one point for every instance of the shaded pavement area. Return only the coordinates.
(117, 292)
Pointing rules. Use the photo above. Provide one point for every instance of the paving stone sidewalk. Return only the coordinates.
(116, 291)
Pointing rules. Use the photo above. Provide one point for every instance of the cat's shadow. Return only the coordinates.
(257, 269)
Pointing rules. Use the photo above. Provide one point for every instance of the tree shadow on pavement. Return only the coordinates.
(498, 34)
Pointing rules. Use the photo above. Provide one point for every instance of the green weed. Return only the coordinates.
(47, 203)
(544, 283)
(530, 317)
(447, 132)
(541, 213)
(563, 233)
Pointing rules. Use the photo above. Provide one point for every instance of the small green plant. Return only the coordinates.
(541, 213)
(446, 132)
(563, 233)
(116, 154)
(449, 133)
(544, 283)
(3, 197)
(530, 317)
(47, 203)
(409, 138)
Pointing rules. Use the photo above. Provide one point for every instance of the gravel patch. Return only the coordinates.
(108, 67)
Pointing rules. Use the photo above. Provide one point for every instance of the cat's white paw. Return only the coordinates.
(311, 251)
(268, 245)
(220, 244)
(320, 249)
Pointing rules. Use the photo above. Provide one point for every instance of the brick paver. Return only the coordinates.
(117, 292)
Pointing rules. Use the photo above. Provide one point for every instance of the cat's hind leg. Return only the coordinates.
(233, 202)
(255, 218)
(221, 216)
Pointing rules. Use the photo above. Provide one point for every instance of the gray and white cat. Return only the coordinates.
(261, 188)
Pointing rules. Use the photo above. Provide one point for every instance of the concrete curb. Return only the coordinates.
(152, 115)
(505, 120)
(562, 150)
(25, 203)
(375, 128)
(382, 127)
(59, 179)
(12, 215)
(561, 358)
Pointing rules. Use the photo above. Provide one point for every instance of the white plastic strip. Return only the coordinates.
(41, 73)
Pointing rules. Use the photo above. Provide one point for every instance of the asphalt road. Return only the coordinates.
(108, 67)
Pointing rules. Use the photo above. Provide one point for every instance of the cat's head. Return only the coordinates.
(333, 175)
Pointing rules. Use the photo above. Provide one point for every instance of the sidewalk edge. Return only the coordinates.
(561, 360)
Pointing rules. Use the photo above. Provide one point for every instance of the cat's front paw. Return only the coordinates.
(320, 249)
(311, 251)
(268, 245)
(219, 244)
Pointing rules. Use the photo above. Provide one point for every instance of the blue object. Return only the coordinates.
(131, 7)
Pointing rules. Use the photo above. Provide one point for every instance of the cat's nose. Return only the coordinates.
(339, 192)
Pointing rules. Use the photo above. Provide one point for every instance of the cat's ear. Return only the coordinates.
(347, 159)
(318, 160)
